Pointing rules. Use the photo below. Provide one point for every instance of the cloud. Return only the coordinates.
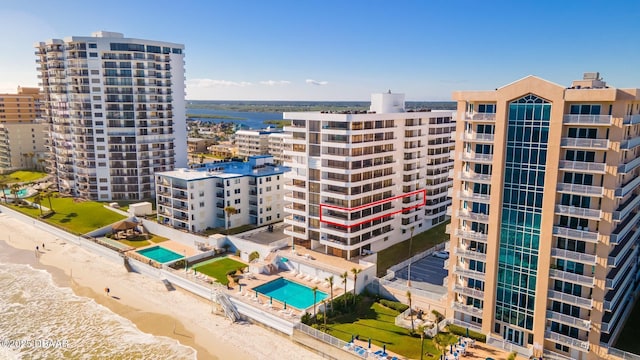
(275, 82)
(209, 83)
(316, 82)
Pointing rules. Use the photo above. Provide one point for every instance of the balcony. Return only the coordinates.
(580, 143)
(628, 187)
(583, 235)
(631, 120)
(467, 309)
(468, 273)
(571, 277)
(624, 228)
(574, 256)
(470, 254)
(478, 294)
(594, 214)
(566, 340)
(468, 195)
(473, 116)
(626, 208)
(475, 177)
(571, 119)
(471, 235)
(629, 166)
(618, 274)
(581, 189)
(569, 320)
(581, 166)
(570, 299)
(468, 215)
(478, 137)
(468, 156)
(630, 143)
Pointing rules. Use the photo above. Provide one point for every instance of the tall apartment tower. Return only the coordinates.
(22, 130)
(116, 111)
(544, 215)
(362, 182)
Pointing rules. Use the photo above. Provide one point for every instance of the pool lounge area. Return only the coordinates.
(159, 254)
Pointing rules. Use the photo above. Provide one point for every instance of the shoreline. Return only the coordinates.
(177, 314)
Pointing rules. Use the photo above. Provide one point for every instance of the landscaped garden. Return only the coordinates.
(421, 242)
(370, 319)
(147, 239)
(75, 216)
(219, 268)
(21, 176)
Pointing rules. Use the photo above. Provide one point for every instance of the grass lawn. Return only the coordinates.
(378, 323)
(153, 239)
(22, 176)
(76, 217)
(421, 242)
(219, 269)
(628, 339)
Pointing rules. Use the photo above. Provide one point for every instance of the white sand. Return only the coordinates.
(147, 302)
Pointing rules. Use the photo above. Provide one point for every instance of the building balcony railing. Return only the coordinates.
(625, 209)
(569, 320)
(470, 254)
(624, 228)
(583, 235)
(581, 143)
(469, 273)
(475, 177)
(571, 277)
(586, 119)
(631, 120)
(580, 189)
(595, 214)
(478, 137)
(476, 157)
(468, 215)
(467, 309)
(630, 143)
(620, 292)
(629, 166)
(570, 299)
(582, 166)
(566, 340)
(628, 187)
(473, 116)
(478, 294)
(471, 235)
(468, 195)
(572, 255)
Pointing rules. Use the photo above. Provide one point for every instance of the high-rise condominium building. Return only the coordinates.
(22, 132)
(252, 142)
(544, 214)
(116, 111)
(362, 182)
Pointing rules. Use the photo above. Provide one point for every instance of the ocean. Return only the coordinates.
(248, 119)
(41, 320)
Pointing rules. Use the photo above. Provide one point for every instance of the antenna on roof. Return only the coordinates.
(389, 91)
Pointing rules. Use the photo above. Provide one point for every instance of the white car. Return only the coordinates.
(441, 254)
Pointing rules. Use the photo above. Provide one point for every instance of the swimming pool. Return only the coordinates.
(159, 254)
(292, 293)
(21, 193)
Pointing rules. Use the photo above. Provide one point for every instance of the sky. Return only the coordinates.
(346, 49)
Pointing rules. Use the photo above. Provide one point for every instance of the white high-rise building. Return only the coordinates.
(116, 109)
(362, 182)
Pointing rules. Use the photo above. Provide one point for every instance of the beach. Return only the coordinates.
(146, 302)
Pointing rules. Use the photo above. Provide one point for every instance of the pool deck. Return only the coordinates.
(177, 248)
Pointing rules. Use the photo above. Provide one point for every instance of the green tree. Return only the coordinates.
(421, 330)
(14, 191)
(4, 186)
(330, 281)
(230, 210)
(355, 273)
(344, 278)
(315, 290)
(48, 194)
(410, 310)
(38, 200)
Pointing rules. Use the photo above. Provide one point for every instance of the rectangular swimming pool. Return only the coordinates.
(159, 254)
(292, 293)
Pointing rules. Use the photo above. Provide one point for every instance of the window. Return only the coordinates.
(93, 54)
(585, 109)
(487, 108)
(201, 204)
(97, 115)
(236, 191)
(97, 98)
(93, 46)
(236, 201)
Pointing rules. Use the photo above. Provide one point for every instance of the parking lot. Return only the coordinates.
(427, 273)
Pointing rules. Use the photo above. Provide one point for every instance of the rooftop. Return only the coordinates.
(256, 166)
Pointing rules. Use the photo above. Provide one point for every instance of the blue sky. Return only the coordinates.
(347, 49)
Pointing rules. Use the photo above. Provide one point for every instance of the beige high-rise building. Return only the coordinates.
(544, 251)
(22, 144)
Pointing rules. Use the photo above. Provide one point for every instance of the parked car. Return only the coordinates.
(441, 254)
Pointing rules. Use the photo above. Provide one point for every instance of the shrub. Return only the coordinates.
(459, 330)
(512, 355)
(395, 305)
(306, 318)
(238, 253)
(254, 255)
(439, 317)
(231, 272)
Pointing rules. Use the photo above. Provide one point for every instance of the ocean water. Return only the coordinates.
(40, 320)
(248, 119)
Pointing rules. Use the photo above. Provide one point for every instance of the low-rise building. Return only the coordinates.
(222, 195)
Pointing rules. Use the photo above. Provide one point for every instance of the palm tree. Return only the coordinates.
(48, 194)
(3, 187)
(421, 330)
(410, 310)
(38, 199)
(14, 190)
(315, 290)
(330, 281)
(355, 279)
(324, 303)
(230, 210)
(344, 278)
